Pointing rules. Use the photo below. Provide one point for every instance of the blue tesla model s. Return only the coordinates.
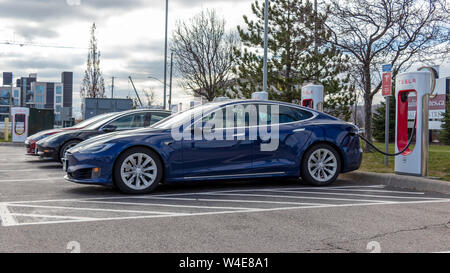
(233, 139)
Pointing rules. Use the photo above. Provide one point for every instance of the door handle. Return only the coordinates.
(299, 130)
(168, 143)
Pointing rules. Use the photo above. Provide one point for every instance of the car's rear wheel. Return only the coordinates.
(66, 147)
(321, 165)
(138, 171)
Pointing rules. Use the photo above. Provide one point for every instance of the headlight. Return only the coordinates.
(92, 148)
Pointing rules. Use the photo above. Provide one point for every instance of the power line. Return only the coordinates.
(21, 44)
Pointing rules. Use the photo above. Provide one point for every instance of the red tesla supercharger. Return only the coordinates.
(312, 96)
(416, 85)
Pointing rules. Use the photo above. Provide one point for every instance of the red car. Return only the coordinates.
(30, 142)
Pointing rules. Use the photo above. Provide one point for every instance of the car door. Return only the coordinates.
(219, 158)
(292, 135)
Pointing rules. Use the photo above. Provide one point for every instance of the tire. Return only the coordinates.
(65, 147)
(146, 177)
(321, 165)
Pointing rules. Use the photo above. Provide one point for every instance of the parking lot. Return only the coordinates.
(41, 212)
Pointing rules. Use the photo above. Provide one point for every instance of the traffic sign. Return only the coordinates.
(386, 89)
(387, 84)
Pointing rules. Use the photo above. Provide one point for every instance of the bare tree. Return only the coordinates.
(204, 54)
(396, 32)
(93, 85)
(150, 96)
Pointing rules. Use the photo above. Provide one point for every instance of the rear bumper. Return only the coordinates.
(352, 154)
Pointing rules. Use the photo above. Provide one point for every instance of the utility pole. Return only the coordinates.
(165, 56)
(170, 82)
(112, 88)
(266, 26)
(135, 91)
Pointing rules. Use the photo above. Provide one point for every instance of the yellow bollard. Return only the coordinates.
(6, 129)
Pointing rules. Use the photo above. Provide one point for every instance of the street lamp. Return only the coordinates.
(165, 54)
(170, 86)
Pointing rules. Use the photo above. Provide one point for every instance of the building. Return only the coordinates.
(31, 93)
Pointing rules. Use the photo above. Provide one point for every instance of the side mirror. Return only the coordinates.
(109, 128)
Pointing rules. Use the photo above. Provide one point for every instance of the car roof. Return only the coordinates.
(236, 101)
(143, 110)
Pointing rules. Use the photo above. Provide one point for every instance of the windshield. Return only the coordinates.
(92, 120)
(183, 117)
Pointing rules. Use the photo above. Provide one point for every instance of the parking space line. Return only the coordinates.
(233, 201)
(163, 195)
(239, 211)
(30, 170)
(5, 216)
(357, 194)
(358, 190)
(92, 209)
(161, 205)
(26, 180)
(298, 197)
(54, 216)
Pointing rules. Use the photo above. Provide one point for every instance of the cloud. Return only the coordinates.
(30, 32)
(43, 63)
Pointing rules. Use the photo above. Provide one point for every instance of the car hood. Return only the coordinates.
(119, 135)
(44, 133)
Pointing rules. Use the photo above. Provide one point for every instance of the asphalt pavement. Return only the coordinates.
(41, 212)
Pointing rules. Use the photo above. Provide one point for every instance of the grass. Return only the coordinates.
(438, 161)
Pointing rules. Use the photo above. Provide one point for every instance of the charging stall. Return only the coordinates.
(19, 123)
(260, 96)
(312, 96)
(414, 160)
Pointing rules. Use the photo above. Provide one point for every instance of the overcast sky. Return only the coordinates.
(130, 37)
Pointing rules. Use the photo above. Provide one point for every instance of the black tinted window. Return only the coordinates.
(286, 114)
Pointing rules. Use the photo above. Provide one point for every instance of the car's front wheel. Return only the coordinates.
(321, 165)
(67, 146)
(138, 171)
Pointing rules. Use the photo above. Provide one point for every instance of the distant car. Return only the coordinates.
(55, 146)
(30, 142)
(310, 144)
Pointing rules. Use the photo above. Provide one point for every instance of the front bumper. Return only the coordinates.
(31, 148)
(89, 168)
(47, 153)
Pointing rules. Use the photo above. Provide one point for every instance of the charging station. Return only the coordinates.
(19, 123)
(414, 160)
(260, 96)
(312, 96)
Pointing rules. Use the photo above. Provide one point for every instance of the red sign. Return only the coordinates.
(435, 103)
(387, 84)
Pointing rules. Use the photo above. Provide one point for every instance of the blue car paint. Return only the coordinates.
(190, 160)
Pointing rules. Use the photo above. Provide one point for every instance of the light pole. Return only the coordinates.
(165, 55)
(266, 25)
(170, 82)
(170, 86)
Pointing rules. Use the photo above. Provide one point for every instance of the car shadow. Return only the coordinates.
(191, 187)
(53, 166)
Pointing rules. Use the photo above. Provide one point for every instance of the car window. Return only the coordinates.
(157, 117)
(232, 116)
(139, 120)
(286, 114)
(129, 122)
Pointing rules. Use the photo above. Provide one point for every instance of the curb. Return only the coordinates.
(401, 181)
(12, 144)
